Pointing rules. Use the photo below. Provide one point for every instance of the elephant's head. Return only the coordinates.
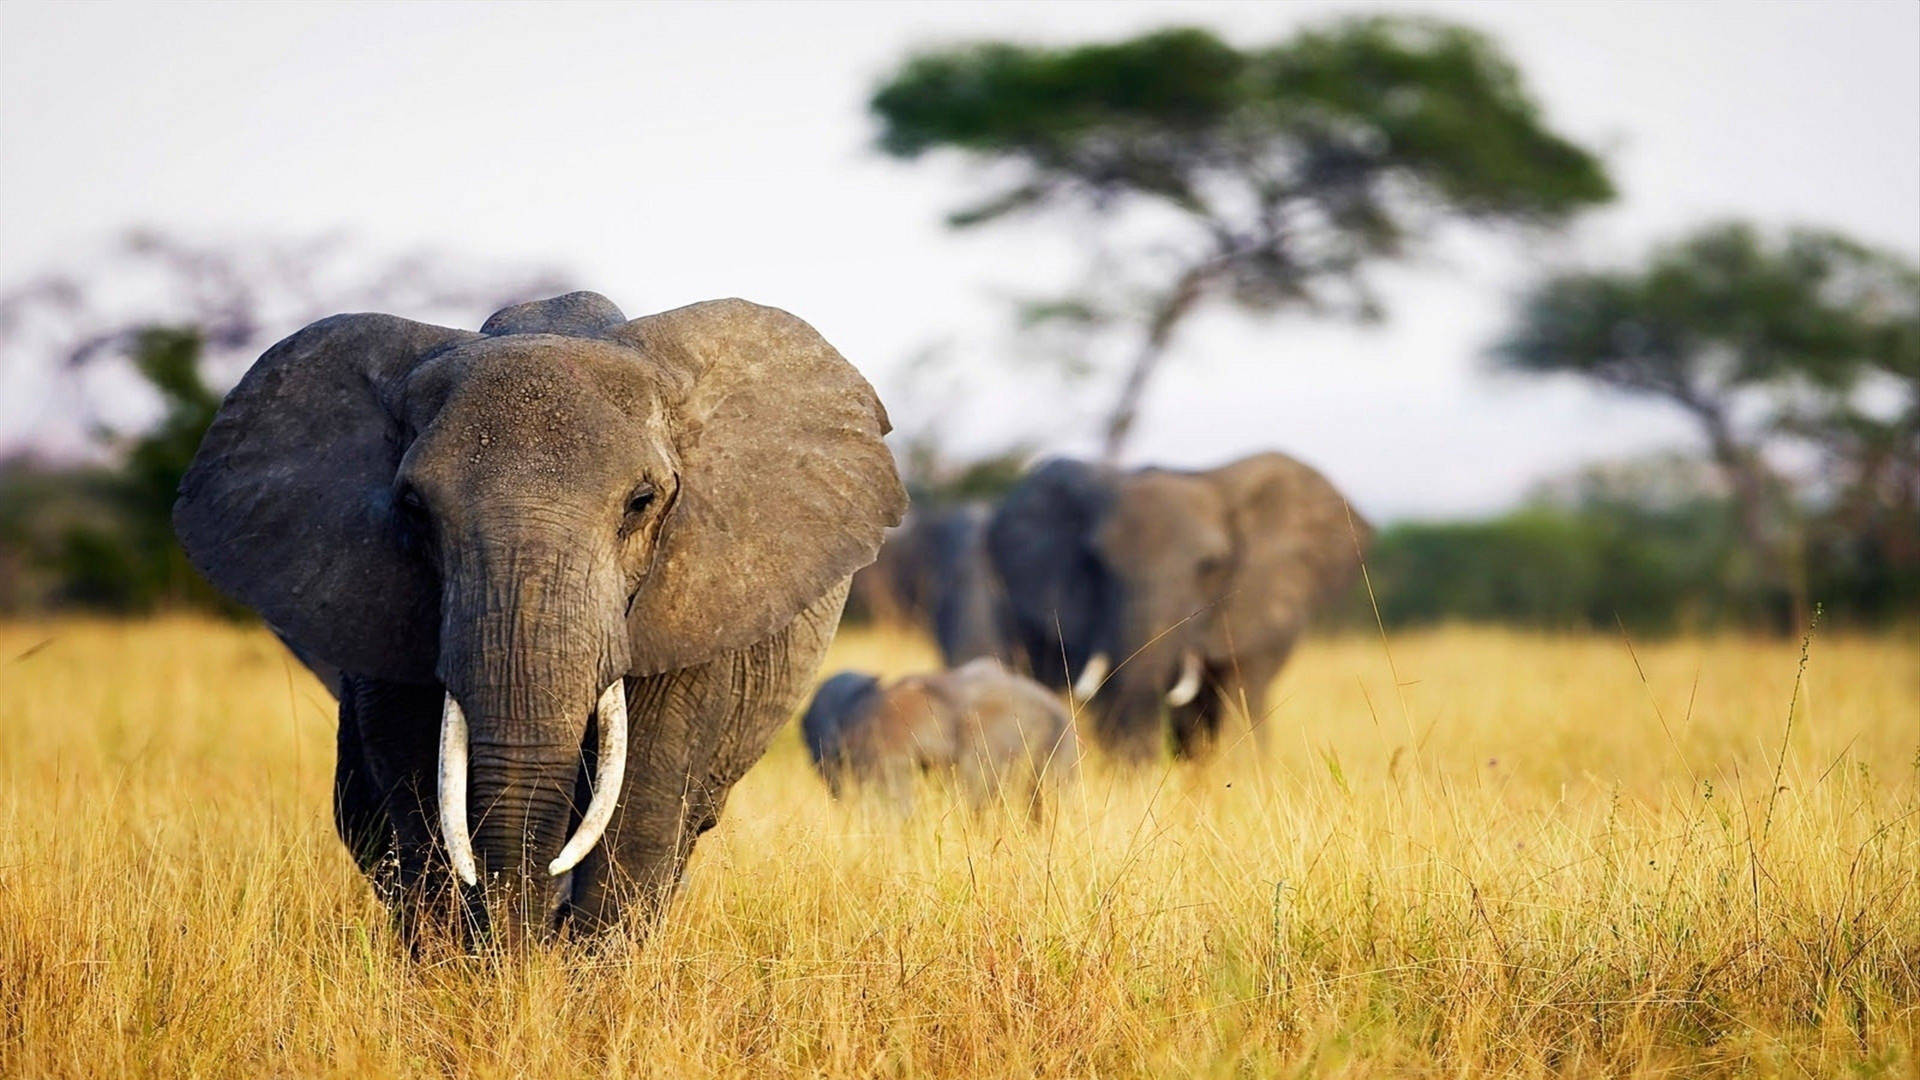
(1059, 589)
(528, 514)
(1146, 585)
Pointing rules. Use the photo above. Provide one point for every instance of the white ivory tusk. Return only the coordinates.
(453, 791)
(1091, 676)
(612, 769)
(1189, 685)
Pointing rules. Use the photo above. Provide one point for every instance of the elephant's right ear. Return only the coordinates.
(1300, 543)
(786, 485)
(287, 506)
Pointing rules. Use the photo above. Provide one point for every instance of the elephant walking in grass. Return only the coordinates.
(1000, 735)
(1168, 598)
(570, 572)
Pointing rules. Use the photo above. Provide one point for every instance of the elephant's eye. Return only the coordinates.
(641, 498)
(411, 518)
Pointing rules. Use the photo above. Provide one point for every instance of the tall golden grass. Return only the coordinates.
(1464, 852)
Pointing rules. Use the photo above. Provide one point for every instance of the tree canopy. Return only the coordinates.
(1722, 309)
(1289, 167)
(1335, 110)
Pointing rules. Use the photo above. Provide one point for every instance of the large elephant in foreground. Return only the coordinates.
(1169, 597)
(573, 572)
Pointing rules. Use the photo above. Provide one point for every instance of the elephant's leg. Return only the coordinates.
(1236, 690)
(1054, 761)
(1130, 731)
(894, 779)
(398, 728)
(979, 772)
(695, 732)
(636, 867)
(1243, 693)
(359, 807)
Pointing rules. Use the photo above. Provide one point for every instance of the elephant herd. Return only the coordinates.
(568, 574)
(1164, 601)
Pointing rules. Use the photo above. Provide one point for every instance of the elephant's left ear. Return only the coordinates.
(786, 485)
(1300, 542)
(287, 506)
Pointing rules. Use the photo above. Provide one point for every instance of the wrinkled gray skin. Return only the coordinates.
(1000, 735)
(932, 572)
(518, 517)
(1224, 564)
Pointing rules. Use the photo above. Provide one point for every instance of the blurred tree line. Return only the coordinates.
(101, 535)
(1656, 545)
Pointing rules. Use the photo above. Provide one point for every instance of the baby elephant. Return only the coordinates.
(994, 731)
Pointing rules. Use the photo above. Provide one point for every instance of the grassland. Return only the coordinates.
(1491, 853)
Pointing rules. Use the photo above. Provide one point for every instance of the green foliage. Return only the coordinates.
(933, 479)
(1723, 309)
(1562, 568)
(102, 538)
(1540, 567)
(1334, 114)
(49, 518)
(1654, 545)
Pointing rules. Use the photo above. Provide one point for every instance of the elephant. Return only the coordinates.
(1165, 593)
(569, 574)
(932, 572)
(887, 591)
(989, 727)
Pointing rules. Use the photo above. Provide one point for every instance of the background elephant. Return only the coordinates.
(571, 572)
(998, 733)
(1168, 593)
(933, 573)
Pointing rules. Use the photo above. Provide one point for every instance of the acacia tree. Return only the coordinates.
(1266, 177)
(1755, 337)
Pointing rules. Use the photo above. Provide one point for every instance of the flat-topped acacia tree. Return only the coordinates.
(1281, 172)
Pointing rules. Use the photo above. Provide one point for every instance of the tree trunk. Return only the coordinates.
(1166, 316)
(1771, 536)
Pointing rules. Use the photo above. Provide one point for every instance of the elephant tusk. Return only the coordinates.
(612, 769)
(453, 791)
(1188, 687)
(1091, 676)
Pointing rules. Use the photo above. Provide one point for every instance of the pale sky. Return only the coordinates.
(665, 154)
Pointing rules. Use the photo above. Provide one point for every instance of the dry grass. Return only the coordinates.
(1526, 859)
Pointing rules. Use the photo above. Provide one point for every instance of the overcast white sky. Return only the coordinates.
(665, 154)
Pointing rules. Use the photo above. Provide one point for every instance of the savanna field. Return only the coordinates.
(1463, 852)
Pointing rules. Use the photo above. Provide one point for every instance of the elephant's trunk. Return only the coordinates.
(610, 716)
(1162, 671)
(527, 667)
